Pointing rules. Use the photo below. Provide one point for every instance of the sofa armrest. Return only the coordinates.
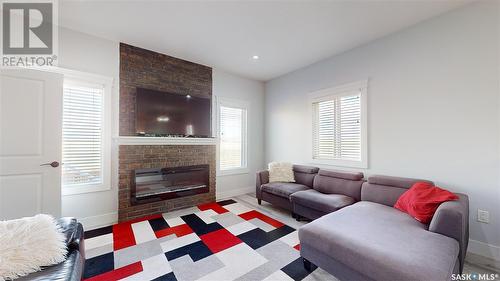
(452, 219)
(70, 269)
(68, 226)
(262, 178)
(78, 240)
(73, 231)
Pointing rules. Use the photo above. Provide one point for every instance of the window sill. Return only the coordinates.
(68, 191)
(232, 172)
(341, 163)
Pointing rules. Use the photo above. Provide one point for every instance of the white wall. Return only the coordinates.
(433, 108)
(83, 52)
(226, 85)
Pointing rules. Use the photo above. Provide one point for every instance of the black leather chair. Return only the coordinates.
(72, 268)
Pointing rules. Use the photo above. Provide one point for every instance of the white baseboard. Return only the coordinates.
(234, 192)
(94, 222)
(484, 249)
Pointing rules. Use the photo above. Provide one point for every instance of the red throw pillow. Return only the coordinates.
(422, 200)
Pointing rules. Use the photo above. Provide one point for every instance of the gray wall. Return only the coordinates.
(433, 108)
(226, 85)
(86, 53)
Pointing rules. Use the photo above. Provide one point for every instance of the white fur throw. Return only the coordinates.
(27, 244)
(281, 172)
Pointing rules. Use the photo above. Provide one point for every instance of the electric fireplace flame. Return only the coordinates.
(151, 185)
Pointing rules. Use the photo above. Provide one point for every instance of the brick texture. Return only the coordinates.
(133, 157)
(147, 69)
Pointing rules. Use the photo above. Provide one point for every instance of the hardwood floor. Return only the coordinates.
(473, 263)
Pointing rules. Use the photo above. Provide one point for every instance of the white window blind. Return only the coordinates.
(337, 128)
(232, 124)
(82, 155)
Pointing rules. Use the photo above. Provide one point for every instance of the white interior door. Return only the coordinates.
(30, 136)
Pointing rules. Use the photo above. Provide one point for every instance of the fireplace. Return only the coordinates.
(140, 68)
(162, 159)
(152, 185)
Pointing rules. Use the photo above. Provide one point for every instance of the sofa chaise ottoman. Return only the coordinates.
(371, 240)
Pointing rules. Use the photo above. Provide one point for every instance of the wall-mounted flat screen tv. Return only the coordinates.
(167, 114)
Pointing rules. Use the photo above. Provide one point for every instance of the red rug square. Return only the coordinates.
(119, 273)
(179, 230)
(123, 236)
(214, 206)
(219, 240)
(256, 215)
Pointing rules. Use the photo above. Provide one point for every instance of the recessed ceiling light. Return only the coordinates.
(188, 96)
(255, 57)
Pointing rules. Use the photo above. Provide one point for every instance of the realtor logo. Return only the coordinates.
(29, 33)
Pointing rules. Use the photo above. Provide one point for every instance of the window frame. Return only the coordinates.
(91, 80)
(240, 104)
(335, 92)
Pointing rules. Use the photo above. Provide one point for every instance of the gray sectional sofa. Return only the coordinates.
(358, 235)
(278, 193)
(331, 191)
(371, 240)
(314, 193)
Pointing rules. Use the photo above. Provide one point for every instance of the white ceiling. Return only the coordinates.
(286, 35)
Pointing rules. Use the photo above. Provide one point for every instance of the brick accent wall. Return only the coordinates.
(147, 69)
(133, 157)
(140, 68)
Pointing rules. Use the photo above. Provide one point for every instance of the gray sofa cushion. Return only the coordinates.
(326, 203)
(385, 189)
(305, 169)
(339, 182)
(395, 181)
(354, 176)
(283, 189)
(304, 174)
(382, 242)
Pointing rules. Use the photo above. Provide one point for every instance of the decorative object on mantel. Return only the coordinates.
(164, 141)
(29, 243)
(170, 136)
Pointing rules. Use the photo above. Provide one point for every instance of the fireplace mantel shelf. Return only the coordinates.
(164, 141)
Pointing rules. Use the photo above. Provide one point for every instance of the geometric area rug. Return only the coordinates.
(225, 240)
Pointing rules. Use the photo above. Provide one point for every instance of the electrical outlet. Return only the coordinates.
(483, 216)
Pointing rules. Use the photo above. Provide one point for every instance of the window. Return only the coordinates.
(338, 126)
(232, 134)
(85, 137)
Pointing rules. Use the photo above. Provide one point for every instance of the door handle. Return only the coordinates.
(53, 164)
